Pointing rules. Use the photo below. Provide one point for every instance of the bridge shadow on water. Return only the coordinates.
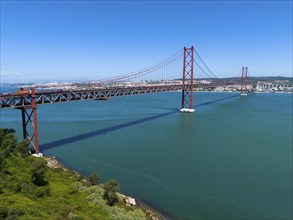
(217, 100)
(104, 131)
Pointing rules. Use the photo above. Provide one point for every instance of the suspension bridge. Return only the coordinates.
(164, 76)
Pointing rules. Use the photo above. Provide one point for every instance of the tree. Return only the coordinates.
(8, 130)
(22, 148)
(8, 144)
(111, 187)
(38, 173)
(3, 163)
(111, 198)
(3, 132)
(94, 179)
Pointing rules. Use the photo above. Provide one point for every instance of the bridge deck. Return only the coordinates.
(24, 99)
(19, 100)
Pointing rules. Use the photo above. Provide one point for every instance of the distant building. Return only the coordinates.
(273, 87)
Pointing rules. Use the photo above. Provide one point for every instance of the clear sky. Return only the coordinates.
(62, 40)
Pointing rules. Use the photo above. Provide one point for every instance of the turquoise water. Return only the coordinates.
(231, 159)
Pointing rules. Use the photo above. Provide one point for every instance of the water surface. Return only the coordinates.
(231, 159)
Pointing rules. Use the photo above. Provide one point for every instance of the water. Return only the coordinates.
(231, 159)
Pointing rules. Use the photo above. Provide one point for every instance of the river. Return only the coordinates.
(231, 159)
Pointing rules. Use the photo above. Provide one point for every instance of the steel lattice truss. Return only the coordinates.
(20, 101)
(187, 96)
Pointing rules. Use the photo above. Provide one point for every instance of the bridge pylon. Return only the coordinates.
(29, 117)
(244, 81)
(187, 80)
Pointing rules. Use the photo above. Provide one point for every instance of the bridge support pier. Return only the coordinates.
(187, 81)
(29, 117)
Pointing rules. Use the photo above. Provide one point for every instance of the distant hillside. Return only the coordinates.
(267, 78)
(253, 79)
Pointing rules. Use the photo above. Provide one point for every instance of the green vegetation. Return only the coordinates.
(38, 173)
(29, 189)
(94, 179)
(111, 187)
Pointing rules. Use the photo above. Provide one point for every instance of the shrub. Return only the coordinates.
(41, 192)
(8, 143)
(3, 163)
(110, 197)
(12, 184)
(28, 189)
(94, 179)
(38, 173)
(8, 130)
(3, 212)
(22, 148)
(111, 187)
(13, 213)
(72, 190)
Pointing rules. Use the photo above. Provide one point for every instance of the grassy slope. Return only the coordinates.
(69, 197)
(63, 199)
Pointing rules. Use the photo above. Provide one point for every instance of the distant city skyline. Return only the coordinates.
(46, 41)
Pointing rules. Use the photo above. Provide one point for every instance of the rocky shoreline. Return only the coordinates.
(156, 215)
(54, 163)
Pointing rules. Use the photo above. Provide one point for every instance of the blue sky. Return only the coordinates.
(84, 40)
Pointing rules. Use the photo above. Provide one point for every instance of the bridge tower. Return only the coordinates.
(187, 80)
(29, 117)
(244, 81)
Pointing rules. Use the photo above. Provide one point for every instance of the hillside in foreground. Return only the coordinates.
(29, 189)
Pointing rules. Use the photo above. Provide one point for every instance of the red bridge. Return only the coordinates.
(160, 77)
